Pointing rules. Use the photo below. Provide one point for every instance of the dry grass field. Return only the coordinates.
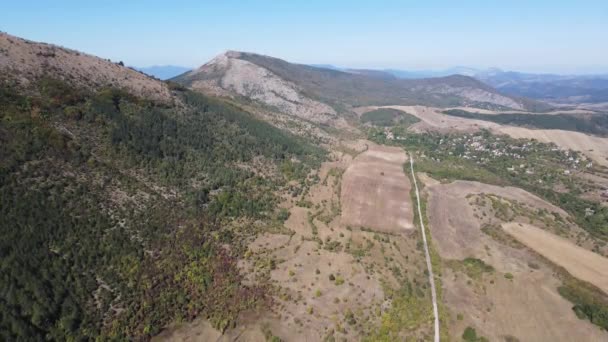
(490, 281)
(579, 262)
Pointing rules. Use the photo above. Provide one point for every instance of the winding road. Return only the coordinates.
(426, 253)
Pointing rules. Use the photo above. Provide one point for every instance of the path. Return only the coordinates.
(426, 253)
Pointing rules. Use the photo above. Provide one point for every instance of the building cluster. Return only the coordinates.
(483, 149)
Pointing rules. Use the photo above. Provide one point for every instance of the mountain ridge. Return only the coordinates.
(313, 91)
(551, 87)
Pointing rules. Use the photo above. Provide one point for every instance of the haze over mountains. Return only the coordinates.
(559, 89)
(554, 88)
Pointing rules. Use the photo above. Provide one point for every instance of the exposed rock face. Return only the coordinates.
(24, 61)
(226, 74)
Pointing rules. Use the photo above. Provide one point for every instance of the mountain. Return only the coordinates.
(567, 89)
(327, 66)
(409, 74)
(126, 202)
(554, 88)
(230, 74)
(564, 89)
(164, 72)
(372, 73)
(319, 94)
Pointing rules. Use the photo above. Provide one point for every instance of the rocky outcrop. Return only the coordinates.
(228, 75)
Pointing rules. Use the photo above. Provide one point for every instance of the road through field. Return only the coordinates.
(426, 253)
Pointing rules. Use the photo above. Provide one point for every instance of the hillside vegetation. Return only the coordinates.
(114, 209)
(388, 117)
(596, 124)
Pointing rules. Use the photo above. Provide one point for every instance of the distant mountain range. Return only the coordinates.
(565, 89)
(164, 72)
(559, 89)
(554, 88)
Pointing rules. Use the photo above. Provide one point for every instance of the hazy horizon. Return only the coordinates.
(544, 37)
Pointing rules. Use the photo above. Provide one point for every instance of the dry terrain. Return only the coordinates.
(24, 60)
(329, 272)
(433, 120)
(375, 191)
(515, 294)
(579, 262)
(227, 74)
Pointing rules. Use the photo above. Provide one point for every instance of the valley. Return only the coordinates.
(254, 199)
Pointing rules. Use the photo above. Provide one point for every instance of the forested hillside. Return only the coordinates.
(114, 209)
(596, 124)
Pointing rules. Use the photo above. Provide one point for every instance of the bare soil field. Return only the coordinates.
(375, 191)
(579, 262)
(514, 297)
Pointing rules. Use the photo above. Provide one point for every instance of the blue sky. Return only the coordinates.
(533, 35)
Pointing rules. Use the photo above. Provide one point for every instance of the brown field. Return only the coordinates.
(455, 227)
(579, 262)
(519, 297)
(375, 191)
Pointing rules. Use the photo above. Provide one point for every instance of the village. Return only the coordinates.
(528, 161)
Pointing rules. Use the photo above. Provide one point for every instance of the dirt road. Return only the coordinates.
(429, 266)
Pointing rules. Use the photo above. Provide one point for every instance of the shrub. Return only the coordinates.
(283, 215)
(469, 335)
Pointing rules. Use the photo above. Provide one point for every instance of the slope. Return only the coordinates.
(122, 210)
(24, 61)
